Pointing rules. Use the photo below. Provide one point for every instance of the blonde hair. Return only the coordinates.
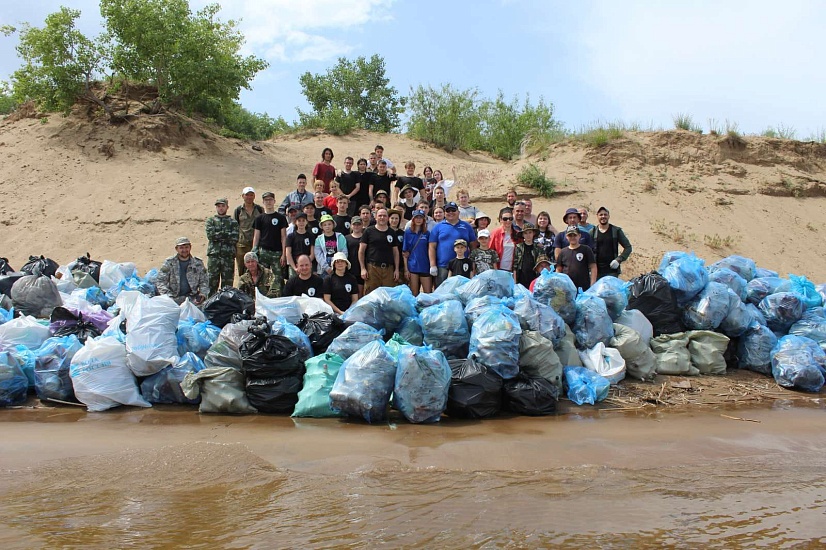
(462, 191)
(409, 164)
(318, 184)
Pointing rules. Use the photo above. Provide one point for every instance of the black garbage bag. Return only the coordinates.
(5, 268)
(63, 322)
(35, 295)
(475, 390)
(87, 265)
(531, 396)
(268, 355)
(222, 305)
(40, 265)
(276, 395)
(7, 281)
(653, 296)
(321, 328)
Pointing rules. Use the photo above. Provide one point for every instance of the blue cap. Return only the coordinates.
(418, 213)
(451, 205)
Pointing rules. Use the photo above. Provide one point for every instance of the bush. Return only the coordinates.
(240, 123)
(531, 176)
(334, 121)
(447, 118)
(505, 125)
(683, 121)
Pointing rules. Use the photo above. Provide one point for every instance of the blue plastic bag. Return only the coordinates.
(782, 310)
(196, 337)
(759, 288)
(13, 381)
(592, 323)
(165, 386)
(798, 362)
(494, 341)
(558, 291)
(534, 315)
(354, 337)
(411, 331)
(51, 368)
(281, 327)
(754, 350)
(6, 315)
(812, 325)
(364, 383)
(422, 384)
(744, 267)
(821, 289)
(425, 299)
(729, 278)
(451, 285)
(585, 386)
(384, 308)
(28, 360)
(477, 306)
(709, 308)
(614, 292)
(763, 272)
(802, 286)
(493, 282)
(445, 328)
(687, 276)
(740, 318)
(670, 257)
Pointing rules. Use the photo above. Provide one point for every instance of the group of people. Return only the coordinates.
(348, 237)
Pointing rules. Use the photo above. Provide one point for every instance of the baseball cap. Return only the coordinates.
(247, 190)
(356, 219)
(181, 241)
(418, 212)
(572, 229)
(601, 208)
(458, 242)
(451, 206)
(326, 218)
(301, 216)
(221, 201)
(268, 195)
(483, 233)
(292, 208)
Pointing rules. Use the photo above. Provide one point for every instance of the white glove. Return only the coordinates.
(614, 264)
(434, 271)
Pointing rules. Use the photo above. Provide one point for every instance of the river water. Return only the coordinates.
(170, 478)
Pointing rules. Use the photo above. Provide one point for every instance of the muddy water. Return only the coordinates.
(170, 478)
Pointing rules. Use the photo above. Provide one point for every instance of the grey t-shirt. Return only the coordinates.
(183, 283)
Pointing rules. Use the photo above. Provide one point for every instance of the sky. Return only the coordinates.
(752, 64)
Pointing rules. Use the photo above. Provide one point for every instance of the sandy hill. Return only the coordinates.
(124, 192)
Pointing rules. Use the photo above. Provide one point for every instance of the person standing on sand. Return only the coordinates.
(379, 150)
(577, 261)
(270, 238)
(297, 198)
(349, 185)
(222, 236)
(442, 239)
(257, 277)
(324, 170)
(379, 254)
(245, 214)
(353, 241)
(183, 275)
(608, 238)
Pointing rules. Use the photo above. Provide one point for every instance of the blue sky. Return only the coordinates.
(754, 63)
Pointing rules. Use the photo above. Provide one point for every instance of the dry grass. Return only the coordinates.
(717, 242)
(671, 231)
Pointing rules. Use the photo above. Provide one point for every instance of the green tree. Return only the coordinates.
(505, 125)
(447, 117)
(352, 94)
(194, 60)
(7, 101)
(59, 62)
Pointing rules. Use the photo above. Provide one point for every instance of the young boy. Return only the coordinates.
(353, 239)
(222, 234)
(542, 263)
(525, 257)
(327, 244)
(311, 212)
(299, 243)
(460, 265)
(342, 219)
(484, 257)
(577, 261)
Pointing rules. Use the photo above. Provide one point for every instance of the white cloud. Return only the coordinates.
(753, 62)
(304, 30)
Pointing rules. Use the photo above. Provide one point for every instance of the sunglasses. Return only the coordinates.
(451, 209)
(507, 219)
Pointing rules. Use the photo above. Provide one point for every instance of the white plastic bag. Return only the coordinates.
(127, 299)
(101, 378)
(606, 362)
(311, 306)
(23, 331)
(111, 273)
(64, 285)
(634, 318)
(191, 311)
(151, 343)
(288, 308)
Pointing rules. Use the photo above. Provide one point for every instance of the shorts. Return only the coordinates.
(420, 274)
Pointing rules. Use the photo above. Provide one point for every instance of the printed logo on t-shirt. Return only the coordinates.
(307, 241)
(465, 267)
(348, 287)
(314, 230)
(400, 237)
(579, 256)
(390, 239)
(275, 221)
(347, 225)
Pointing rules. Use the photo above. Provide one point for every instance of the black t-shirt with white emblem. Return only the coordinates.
(270, 226)
(297, 286)
(340, 289)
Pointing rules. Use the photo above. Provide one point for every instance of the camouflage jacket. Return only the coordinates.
(266, 284)
(168, 283)
(222, 234)
(519, 256)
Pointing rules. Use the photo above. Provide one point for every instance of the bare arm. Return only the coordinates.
(362, 250)
(431, 254)
(256, 236)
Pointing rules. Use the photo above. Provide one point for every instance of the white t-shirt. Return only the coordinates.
(508, 250)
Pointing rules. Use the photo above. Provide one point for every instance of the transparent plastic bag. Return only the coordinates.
(411, 331)
(445, 328)
(812, 325)
(670, 257)
(782, 310)
(804, 288)
(364, 383)
(422, 382)
(494, 341)
(196, 336)
(35, 295)
(534, 315)
(384, 308)
(165, 386)
(493, 282)
(744, 267)
(191, 311)
(592, 324)
(759, 288)
(151, 343)
(614, 292)
(740, 318)
(51, 370)
(558, 291)
(754, 350)
(289, 308)
(354, 337)
(729, 278)
(537, 358)
(709, 308)
(112, 273)
(585, 386)
(23, 331)
(101, 377)
(477, 306)
(451, 286)
(14, 385)
(687, 276)
(763, 272)
(798, 362)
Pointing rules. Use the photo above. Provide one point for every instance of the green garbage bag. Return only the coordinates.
(319, 377)
(538, 359)
(706, 349)
(566, 350)
(672, 354)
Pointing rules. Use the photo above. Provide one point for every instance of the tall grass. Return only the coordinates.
(781, 131)
(531, 176)
(684, 121)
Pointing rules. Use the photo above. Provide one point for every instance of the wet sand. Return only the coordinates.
(169, 477)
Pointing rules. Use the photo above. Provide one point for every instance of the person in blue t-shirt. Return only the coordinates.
(414, 250)
(442, 238)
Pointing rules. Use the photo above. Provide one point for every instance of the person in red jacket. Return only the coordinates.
(504, 239)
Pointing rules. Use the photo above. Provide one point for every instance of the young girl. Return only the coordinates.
(482, 221)
(414, 252)
(438, 214)
(340, 289)
(545, 233)
(327, 244)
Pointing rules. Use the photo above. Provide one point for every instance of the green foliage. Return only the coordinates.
(7, 101)
(194, 60)
(351, 94)
(447, 117)
(599, 134)
(505, 125)
(58, 61)
(684, 121)
(531, 176)
(781, 131)
(240, 123)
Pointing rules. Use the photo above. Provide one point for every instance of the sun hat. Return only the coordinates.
(571, 211)
(326, 218)
(527, 226)
(340, 256)
(480, 215)
(542, 259)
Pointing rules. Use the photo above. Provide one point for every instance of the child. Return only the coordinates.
(484, 257)
(312, 221)
(327, 244)
(577, 261)
(299, 243)
(525, 256)
(460, 265)
(407, 202)
(342, 219)
(542, 263)
(353, 240)
(331, 200)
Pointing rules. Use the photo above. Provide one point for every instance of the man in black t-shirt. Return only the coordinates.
(407, 180)
(270, 237)
(349, 185)
(305, 281)
(341, 219)
(577, 261)
(379, 254)
(381, 181)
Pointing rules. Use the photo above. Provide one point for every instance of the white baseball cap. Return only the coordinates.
(247, 190)
(484, 233)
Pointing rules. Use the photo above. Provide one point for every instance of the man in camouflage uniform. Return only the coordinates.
(222, 235)
(245, 213)
(183, 275)
(258, 277)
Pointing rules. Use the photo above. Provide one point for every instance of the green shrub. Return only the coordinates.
(334, 121)
(684, 121)
(531, 176)
(7, 101)
(447, 117)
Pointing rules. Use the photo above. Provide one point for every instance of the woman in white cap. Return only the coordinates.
(340, 289)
